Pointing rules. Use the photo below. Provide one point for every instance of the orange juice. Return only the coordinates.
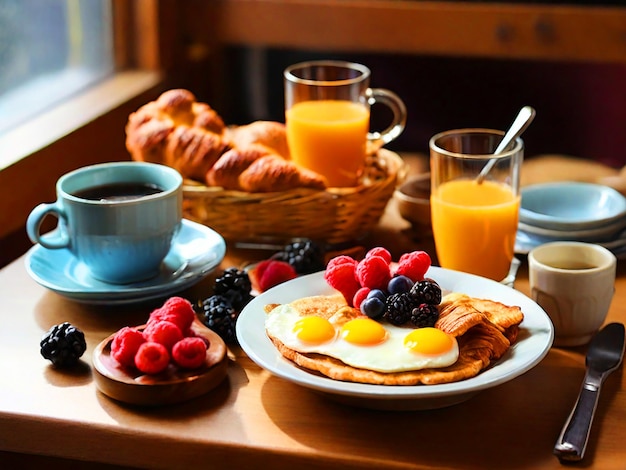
(474, 226)
(329, 137)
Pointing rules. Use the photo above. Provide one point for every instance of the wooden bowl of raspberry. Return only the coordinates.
(171, 359)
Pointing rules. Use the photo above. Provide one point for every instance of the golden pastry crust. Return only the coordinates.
(273, 173)
(482, 338)
(225, 172)
(178, 131)
(270, 134)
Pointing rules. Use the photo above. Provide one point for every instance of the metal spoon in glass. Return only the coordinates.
(522, 121)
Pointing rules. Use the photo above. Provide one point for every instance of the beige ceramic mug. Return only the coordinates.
(574, 283)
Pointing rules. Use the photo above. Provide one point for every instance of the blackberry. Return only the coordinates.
(426, 292)
(235, 285)
(219, 315)
(424, 315)
(63, 344)
(304, 256)
(399, 307)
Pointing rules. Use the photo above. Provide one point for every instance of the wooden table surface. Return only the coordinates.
(256, 420)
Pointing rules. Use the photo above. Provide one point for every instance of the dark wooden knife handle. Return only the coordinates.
(572, 442)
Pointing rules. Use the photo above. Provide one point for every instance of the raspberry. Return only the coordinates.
(380, 251)
(414, 265)
(341, 276)
(175, 310)
(270, 273)
(360, 295)
(341, 259)
(163, 332)
(373, 272)
(125, 345)
(152, 358)
(181, 312)
(189, 353)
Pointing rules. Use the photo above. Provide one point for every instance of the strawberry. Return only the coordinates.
(269, 273)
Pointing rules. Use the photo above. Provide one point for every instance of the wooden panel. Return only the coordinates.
(594, 34)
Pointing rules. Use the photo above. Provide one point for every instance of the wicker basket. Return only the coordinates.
(335, 216)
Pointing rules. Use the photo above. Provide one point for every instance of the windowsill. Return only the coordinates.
(86, 129)
(72, 114)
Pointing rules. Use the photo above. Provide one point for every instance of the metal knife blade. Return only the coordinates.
(604, 355)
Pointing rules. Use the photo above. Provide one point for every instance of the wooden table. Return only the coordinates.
(255, 420)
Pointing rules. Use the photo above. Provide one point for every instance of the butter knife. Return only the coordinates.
(604, 355)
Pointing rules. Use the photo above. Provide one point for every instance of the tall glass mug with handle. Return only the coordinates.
(327, 108)
(475, 220)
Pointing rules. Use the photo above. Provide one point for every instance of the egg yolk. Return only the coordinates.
(314, 329)
(363, 331)
(428, 340)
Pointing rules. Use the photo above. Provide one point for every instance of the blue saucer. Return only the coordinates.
(196, 251)
(525, 242)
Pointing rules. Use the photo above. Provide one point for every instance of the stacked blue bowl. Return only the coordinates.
(575, 211)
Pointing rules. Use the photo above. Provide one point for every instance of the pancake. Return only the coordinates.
(484, 329)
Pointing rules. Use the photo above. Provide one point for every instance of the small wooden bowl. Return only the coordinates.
(171, 386)
(413, 198)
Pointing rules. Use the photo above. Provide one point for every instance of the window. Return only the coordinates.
(49, 50)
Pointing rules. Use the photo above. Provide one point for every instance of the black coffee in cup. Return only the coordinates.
(118, 191)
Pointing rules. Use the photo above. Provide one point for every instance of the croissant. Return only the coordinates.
(191, 137)
(273, 173)
(178, 131)
(225, 172)
(270, 134)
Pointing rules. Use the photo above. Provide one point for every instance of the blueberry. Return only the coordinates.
(373, 307)
(399, 284)
(379, 294)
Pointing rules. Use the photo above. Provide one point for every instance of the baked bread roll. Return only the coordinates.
(191, 137)
(179, 132)
(273, 173)
(270, 134)
(225, 172)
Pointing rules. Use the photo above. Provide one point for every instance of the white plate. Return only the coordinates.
(196, 251)
(534, 341)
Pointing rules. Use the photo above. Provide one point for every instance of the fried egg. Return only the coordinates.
(362, 342)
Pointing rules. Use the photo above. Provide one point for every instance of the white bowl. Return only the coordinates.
(571, 205)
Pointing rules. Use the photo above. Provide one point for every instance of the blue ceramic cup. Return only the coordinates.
(117, 218)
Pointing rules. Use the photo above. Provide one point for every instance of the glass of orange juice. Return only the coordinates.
(475, 222)
(327, 110)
